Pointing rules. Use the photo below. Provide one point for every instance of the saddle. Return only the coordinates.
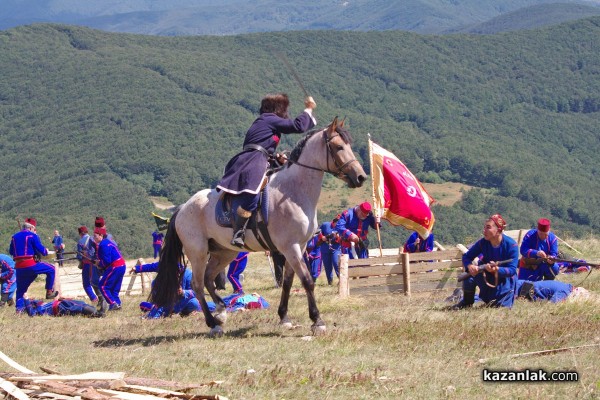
(224, 216)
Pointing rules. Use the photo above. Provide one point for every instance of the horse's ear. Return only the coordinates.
(342, 123)
(333, 125)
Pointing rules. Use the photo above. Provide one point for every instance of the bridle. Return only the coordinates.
(340, 172)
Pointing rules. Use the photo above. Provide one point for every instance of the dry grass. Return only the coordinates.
(383, 347)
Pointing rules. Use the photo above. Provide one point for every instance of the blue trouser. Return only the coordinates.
(330, 258)
(236, 267)
(503, 295)
(157, 247)
(247, 201)
(314, 266)
(25, 276)
(89, 279)
(110, 284)
(8, 288)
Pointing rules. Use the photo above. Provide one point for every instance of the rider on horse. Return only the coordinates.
(245, 173)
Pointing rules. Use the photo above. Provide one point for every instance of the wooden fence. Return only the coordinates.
(405, 272)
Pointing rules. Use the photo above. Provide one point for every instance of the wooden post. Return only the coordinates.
(132, 279)
(405, 260)
(143, 282)
(344, 288)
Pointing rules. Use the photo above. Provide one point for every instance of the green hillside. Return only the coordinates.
(94, 123)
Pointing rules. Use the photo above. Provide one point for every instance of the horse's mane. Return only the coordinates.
(295, 154)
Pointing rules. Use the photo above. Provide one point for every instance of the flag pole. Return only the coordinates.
(378, 210)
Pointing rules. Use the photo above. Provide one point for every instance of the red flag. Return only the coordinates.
(398, 194)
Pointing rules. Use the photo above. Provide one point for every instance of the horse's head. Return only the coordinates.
(346, 166)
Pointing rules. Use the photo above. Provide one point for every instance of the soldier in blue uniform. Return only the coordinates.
(187, 304)
(59, 247)
(86, 252)
(331, 248)
(8, 280)
(542, 244)
(497, 283)
(246, 171)
(57, 308)
(416, 244)
(236, 268)
(353, 227)
(25, 248)
(312, 255)
(552, 291)
(157, 241)
(111, 263)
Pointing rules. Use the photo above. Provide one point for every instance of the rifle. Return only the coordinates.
(532, 263)
(480, 268)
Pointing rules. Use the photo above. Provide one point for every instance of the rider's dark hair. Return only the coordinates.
(275, 103)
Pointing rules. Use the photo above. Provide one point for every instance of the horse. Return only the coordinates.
(293, 193)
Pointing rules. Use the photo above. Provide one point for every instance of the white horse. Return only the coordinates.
(293, 193)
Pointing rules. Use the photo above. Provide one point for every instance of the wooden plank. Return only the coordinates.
(365, 262)
(15, 364)
(132, 279)
(13, 391)
(428, 266)
(96, 376)
(374, 270)
(451, 254)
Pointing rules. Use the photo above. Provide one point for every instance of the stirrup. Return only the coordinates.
(238, 239)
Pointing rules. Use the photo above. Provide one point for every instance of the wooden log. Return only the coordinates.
(10, 389)
(171, 384)
(87, 393)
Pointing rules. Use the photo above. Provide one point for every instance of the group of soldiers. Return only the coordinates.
(100, 260)
(492, 265)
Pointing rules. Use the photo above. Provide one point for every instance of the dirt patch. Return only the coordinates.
(161, 203)
(335, 196)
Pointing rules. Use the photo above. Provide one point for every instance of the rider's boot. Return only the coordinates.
(239, 226)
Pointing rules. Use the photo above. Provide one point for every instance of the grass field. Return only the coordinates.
(376, 347)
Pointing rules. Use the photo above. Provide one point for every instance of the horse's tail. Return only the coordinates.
(167, 282)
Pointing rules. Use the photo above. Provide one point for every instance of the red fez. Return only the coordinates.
(499, 221)
(82, 229)
(99, 222)
(543, 225)
(31, 221)
(365, 207)
(100, 231)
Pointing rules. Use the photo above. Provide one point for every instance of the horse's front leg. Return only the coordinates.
(300, 268)
(288, 279)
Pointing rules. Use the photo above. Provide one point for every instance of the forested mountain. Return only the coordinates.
(532, 17)
(227, 17)
(93, 123)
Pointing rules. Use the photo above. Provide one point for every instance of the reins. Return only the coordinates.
(339, 173)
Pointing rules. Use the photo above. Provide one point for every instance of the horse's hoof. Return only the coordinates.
(221, 317)
(216, 332)
(286, 324)
(318, 330)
